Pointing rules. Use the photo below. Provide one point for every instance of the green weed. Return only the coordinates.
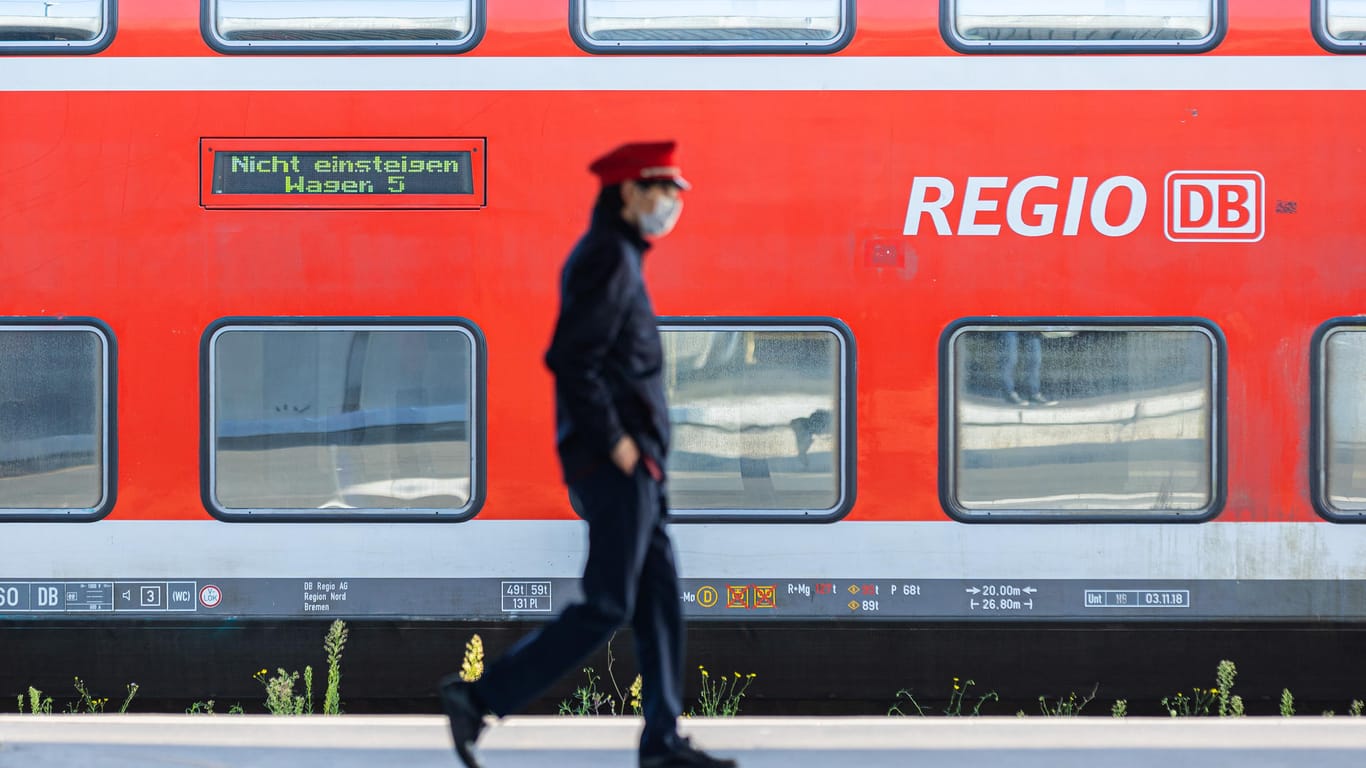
(720, 696)
(1287, 703)
(957, 701)
(1071, 706)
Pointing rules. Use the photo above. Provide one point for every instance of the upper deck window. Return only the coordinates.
(699, 26)
(379, 26)
(1340, 25)
(1082, 25)
(57, 26)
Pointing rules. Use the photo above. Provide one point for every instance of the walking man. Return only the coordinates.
(612, 428)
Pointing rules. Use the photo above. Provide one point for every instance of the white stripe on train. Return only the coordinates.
(684, 73)
(118, 549)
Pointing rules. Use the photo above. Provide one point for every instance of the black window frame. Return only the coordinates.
(478, 411)
(1318, 432)
(68, 48)
(846, 397)
(109, 424)
(948, 30)
(947, 423)
(1318, 24)
(208, 29)
(579, 32)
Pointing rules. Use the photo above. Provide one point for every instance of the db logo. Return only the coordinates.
(1215, 206)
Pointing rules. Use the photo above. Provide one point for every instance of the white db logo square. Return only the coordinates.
(1215, 206)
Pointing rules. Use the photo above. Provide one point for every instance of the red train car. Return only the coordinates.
(982, 312)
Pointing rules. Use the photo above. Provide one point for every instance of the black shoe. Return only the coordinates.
(686, 756)
(467, 717)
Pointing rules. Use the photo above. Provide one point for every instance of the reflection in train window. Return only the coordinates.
(758, 420)
(1082, 24)
(55, 399)
(241, 26)
(73, 26)
(342, 419)
(1080, 420)
(1341, 24)
(1342, 419)
(815, 26)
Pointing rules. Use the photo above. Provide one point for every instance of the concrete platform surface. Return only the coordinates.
(245, 741)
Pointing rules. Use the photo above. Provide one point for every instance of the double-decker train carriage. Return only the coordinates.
(997, 331)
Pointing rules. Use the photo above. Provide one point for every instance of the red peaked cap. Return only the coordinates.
(647, 161)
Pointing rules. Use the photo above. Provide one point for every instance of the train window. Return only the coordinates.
(378, 26)
(1338, 461)
(762, 418)
(1340, 25)
(1060, 419)
(56, 419)
(699, 26)
(984, 26)
(70, 26)
(334, 419)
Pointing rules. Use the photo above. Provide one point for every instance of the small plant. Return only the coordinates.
(957, 701)
(236, 709)
(94, 705)
(896, 710)
(1200, 703)
(91, 705)
(1067, 707)
(200, 708)
(1287, 703)
(280, 697)
(333, 644)
(1235, 706)
(721, 697)
(1224, 675)
(1355, 709)
(587, 699)
(132, 691)
(472, 668)
(1120, 708)
(38, 704)
(634, 693)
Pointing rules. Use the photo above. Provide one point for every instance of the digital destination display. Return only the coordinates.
(342, 173)
(321, 173)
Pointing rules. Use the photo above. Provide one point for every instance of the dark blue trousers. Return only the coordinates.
(629, 577)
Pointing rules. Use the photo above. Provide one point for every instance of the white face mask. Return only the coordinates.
(662, 219)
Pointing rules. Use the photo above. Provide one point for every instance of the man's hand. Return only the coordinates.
(626, 455)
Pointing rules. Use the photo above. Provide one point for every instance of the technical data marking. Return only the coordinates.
(526, 596)
(1137, 598)
(997, 597)
(56, 596)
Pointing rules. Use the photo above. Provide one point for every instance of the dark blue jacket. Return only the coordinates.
(606, 353)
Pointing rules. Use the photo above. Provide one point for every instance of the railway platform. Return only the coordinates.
(245, 741)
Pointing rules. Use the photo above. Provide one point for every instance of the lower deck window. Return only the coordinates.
(1080, 419)
(342, 420)
(1340, 416)
(55, 406)
(760, 415)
